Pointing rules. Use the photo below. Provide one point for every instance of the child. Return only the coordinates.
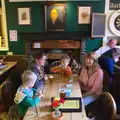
(63, 68)
(26, 96)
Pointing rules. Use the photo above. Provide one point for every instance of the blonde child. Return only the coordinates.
(26, 96)
(63, 68)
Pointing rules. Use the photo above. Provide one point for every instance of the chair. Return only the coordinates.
(15, 75)
(55, 63)
(13, 113)
(106, 82)
(116, 89)
(104, 108)
(6, 92)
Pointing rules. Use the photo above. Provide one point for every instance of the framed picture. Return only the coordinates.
(71, 104)
(84, 14)
(98, 25)
(55, 17)
(24, 17)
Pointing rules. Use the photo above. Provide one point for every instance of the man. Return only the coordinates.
(108, 59)
(54, 23)
(111, 44)
(105, 61)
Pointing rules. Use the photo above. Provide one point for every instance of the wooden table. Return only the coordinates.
(44, 108)
(9, 66)
(5, 72)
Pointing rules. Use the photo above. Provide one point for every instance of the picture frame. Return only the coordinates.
(55, 17)
(98, 21)
(84, 14)
(24, 16)
(71, 104)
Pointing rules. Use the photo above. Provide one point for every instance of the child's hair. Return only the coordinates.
(65, 57)
(39, 54)
(28, 76)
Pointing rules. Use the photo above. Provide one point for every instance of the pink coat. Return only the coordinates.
(93, 83)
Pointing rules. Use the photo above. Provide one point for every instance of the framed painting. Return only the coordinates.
(24, 17)
(98, 25)
(84, 14)
(55, 17)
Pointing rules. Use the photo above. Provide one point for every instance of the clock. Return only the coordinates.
(114, 23)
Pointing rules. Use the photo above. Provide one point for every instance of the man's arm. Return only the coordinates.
(102, 50)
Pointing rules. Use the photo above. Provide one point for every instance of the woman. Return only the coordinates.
(38, 69)
(91, 79)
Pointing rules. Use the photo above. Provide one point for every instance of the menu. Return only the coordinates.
(70, 104)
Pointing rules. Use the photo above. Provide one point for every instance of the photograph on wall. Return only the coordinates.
(24, 17)
(84, 14)
(55, 17)
(3, 44)
(13, 35)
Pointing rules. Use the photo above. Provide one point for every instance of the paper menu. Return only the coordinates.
(70, 104)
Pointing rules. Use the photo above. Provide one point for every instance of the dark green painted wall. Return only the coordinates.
(37, 16)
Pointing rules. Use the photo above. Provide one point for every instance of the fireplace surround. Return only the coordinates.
(57, 43)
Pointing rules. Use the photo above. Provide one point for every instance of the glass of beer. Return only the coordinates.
(62, 94)
(51, 77)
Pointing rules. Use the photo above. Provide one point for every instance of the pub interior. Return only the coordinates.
(59, 59)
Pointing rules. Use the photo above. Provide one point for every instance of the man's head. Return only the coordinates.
(54, 14)
(112, 43)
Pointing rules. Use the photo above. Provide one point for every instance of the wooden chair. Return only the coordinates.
(106, 109)
(15, 75)
(106, 82)
(6, 93)
(55, 63)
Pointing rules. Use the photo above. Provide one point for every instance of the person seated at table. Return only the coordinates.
(26, 96)
(63, 68)
(108, 59)
(91, 79)
(38, 69)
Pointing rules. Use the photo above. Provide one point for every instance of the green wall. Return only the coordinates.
(37, 17)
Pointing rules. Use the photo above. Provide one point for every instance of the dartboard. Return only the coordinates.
(114, 23)
(117, 22)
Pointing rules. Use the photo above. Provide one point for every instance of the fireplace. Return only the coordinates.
(57, 48)
(56, 44)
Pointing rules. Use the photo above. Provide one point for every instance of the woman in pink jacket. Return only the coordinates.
(91, 79)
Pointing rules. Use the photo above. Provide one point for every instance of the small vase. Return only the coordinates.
(57, 112)
(57, 115)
